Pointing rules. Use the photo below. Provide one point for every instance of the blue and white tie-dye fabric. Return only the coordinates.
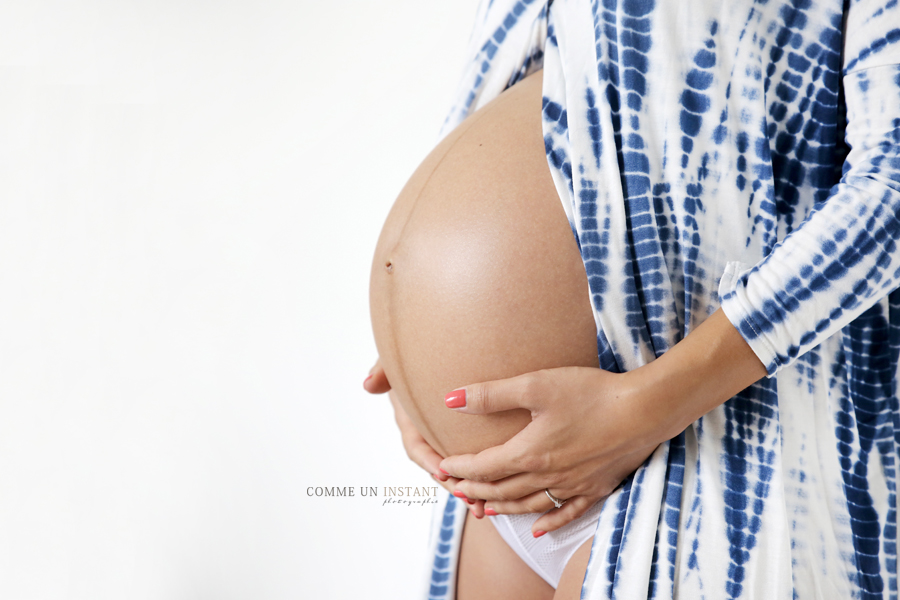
(743, 154)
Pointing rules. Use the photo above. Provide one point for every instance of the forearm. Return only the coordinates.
(709, 366)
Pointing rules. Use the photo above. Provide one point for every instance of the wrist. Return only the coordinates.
(705, 369)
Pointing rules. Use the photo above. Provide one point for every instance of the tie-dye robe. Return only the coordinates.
(743, 154)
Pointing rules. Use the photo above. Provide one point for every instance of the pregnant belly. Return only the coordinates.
(477, 275)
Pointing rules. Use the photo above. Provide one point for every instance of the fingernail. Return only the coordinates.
(459, 494)
(456, 399)
(366, 380)
(440, 477)
(490, 512)
(470, 501)
(443, 471)
(538, 533)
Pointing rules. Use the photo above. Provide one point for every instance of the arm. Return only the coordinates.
(840, 261)
(844, 257)
(591, 428)
(705, 369)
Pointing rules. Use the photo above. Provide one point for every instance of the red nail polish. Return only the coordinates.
(366, 380)
(490, 512)
(538, 533)
(443, 471)
(459, 494)
(456, 399)
(470, 501)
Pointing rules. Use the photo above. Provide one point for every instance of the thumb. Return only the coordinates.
(377, 382)
(495, 396)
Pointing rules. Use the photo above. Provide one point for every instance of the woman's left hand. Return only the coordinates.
(590, 429)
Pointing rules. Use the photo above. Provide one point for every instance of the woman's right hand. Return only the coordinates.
(417, 449)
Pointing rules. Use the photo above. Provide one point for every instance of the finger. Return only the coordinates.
(476, 507)
(511, 488)
(537, 502)
(558, 517)
(453, 482)
(421, 453)
(447, 484)
(493, 463)
(376, 382)
(524, 391)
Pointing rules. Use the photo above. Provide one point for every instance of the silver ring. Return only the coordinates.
(556, 501)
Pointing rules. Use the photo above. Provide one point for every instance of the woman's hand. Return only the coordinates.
(591, 428)
(589, 431)
(417, 449)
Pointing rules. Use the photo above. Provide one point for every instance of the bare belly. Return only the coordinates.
(477, 275)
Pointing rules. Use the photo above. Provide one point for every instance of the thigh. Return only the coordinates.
(490, 570)
(573, 575)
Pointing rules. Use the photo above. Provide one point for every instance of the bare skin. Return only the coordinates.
(591, 428)
(469, 312)
(490, 570)
(477, 276)
(488, 567)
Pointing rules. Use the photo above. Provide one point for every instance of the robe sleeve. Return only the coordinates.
(844, 257)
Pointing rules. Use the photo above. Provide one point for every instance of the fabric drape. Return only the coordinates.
(742, 154)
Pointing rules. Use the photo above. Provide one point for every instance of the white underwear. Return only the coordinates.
(547, 555)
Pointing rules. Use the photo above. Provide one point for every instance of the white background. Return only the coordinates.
(190, 195)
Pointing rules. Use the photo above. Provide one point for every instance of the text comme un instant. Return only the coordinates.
(407, 491)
